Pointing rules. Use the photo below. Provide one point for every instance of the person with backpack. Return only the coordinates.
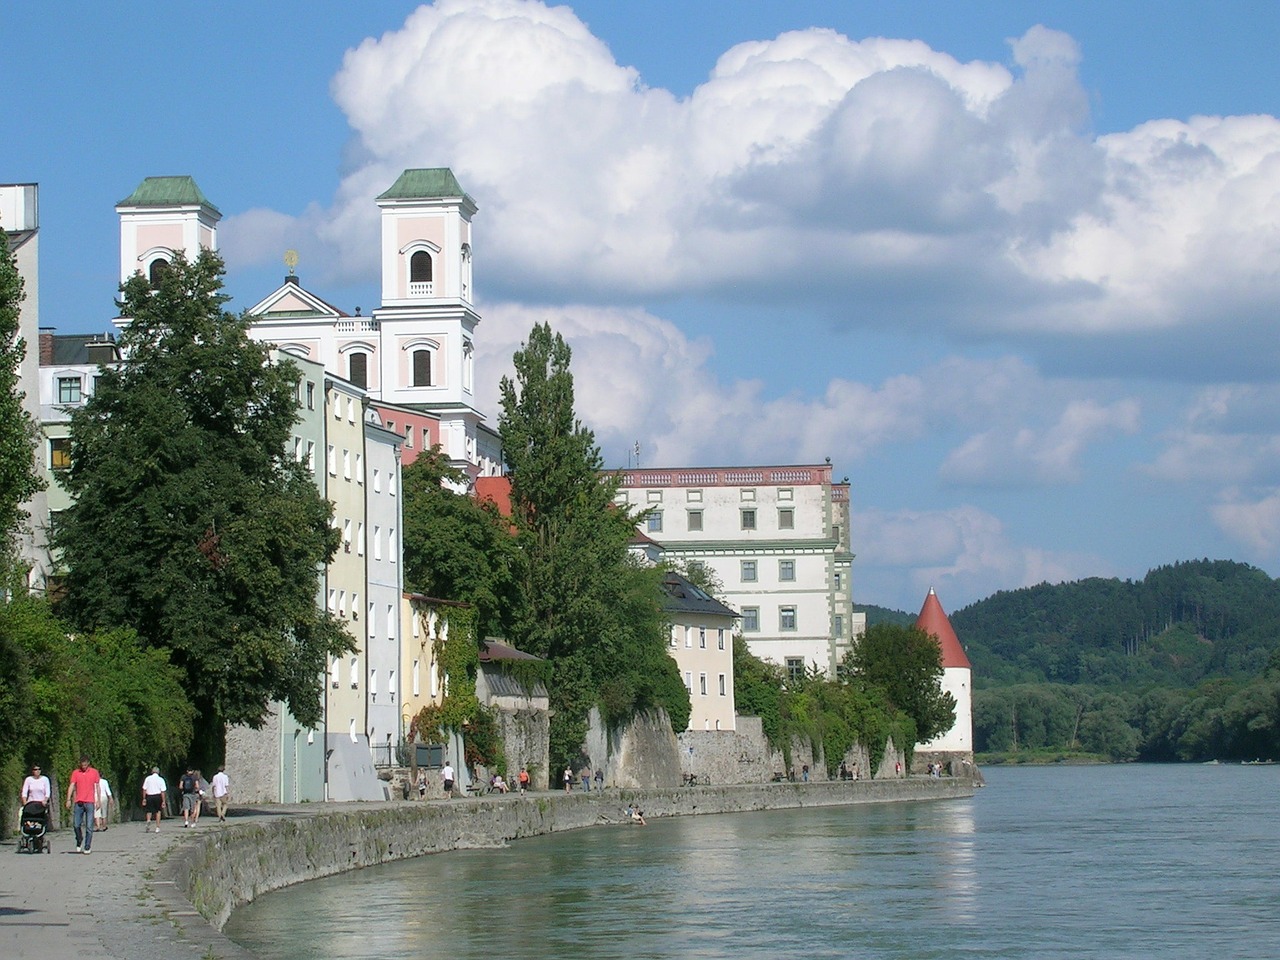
(189, 787)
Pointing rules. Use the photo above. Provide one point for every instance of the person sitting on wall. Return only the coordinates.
(497, 784)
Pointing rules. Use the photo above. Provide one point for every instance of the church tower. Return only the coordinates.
(163, 216)
(427, 321)
(955, 744)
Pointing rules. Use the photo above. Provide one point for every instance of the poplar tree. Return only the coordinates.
(191, 524)
(581, 601)
(19, 433)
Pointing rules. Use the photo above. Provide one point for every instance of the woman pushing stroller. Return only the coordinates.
(36, 792)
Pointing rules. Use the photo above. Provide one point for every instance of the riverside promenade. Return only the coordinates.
(148, 896)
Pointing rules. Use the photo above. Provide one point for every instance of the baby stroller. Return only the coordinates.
(35, 825)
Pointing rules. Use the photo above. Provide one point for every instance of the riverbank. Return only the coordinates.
(146, 896)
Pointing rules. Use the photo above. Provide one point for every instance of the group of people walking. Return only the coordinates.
(89, 798)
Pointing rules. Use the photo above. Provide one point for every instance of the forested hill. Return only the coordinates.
(1177, 626)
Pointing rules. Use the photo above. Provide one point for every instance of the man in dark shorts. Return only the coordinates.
(153, 790)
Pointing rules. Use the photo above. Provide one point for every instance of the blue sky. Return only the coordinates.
(1011, 266)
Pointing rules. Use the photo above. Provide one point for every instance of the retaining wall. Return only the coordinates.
(220, 871)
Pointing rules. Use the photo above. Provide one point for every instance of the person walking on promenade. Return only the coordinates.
(84, 787)
(36, 788)
(221, 787)
(446, 776)
(523, 780)
(189, 786)
(568, 779)
(153, 791)
(102, 804)
(599, 780)
(586, 779)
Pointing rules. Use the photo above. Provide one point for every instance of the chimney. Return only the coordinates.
(46, 346)
(291, 278)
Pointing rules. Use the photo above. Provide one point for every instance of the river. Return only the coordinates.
(1087, 863)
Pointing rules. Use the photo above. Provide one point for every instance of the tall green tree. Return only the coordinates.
(19, 479)
(905, 665)
(190, 523)
(580, 602)
(454, 547)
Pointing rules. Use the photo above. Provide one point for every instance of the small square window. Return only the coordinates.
(695, 520)
(60, 453)
(786, 493)
(750, 619)
(655, 522)
(653, 496)
(748, 571)
(694, 496)
(786, 569)
(748, 494)
(748, 519)
(786, 518)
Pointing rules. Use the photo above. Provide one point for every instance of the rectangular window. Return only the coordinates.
(837, 578)
(723, 686)
(749, 494)
(695, 520)
(748, 519)
(748, 571)
(68, 389)
(391, 685)
(377, 480)
(653, 496)
(337, 404)
(675, 636)
(786, 493)
(360, 537)
(355, 672)
(417, 678)
(694, 496)
(392, 549)
(720, 639)
(786, 518)
(391, 621)
(655, 522)
(688, 638)
(311, 395)
(750, 619)
(408, 434)
(372, 616)
(335, 673)
(359, 468)
(702, 638)
(688, 681)
(795, 669)
(311, 455)
(702, 684)
(333, 600)
(377, 542)
(60, 453)
(346, 464)
(835, 532)
(333, 461)
(837, 625)
(786, 569)
(373, 681)
(786, 618)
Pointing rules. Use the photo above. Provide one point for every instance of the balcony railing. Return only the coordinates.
(421, 288)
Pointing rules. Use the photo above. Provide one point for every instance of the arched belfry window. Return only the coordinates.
(156, 271)
(420, 274)
(422, 367)
(358, 369)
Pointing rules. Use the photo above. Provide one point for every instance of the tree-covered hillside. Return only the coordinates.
(1176, 627)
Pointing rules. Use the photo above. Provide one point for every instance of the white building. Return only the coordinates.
(20, 220)
(777, 539)
(702, 645)
(377, 542)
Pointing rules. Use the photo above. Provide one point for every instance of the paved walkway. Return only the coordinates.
(116, 903)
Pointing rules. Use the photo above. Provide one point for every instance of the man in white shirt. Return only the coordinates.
(447, 776)
(153, 790)
(36, 788)
(221, 787)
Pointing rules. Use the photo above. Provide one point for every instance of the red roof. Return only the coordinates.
(933, 621)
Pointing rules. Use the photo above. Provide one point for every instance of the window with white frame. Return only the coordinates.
(655, 522)
(702, 684)
(723, 686)
(377, 480)
(392, 550)
(688, 680)
(720, 638)
(69, 389)
(359, 468)
(346, 464)
(360, 538)
(333, 461)
(377, 542)
(391, 621)
(702, 638)
(417, 678)
(421, 361)
(688, 638)
(335, 673)
(311, 455)
(355, 672)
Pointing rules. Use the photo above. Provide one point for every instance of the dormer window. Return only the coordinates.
(420, 274)
(69, 389)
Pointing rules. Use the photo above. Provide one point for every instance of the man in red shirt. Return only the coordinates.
(84, 787)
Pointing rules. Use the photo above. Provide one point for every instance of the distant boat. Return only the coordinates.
(1211, 763)
(1256, 763)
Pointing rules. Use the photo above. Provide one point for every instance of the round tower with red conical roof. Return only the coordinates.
(955, 744)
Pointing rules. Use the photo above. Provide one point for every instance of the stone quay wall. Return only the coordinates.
(219, 871)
